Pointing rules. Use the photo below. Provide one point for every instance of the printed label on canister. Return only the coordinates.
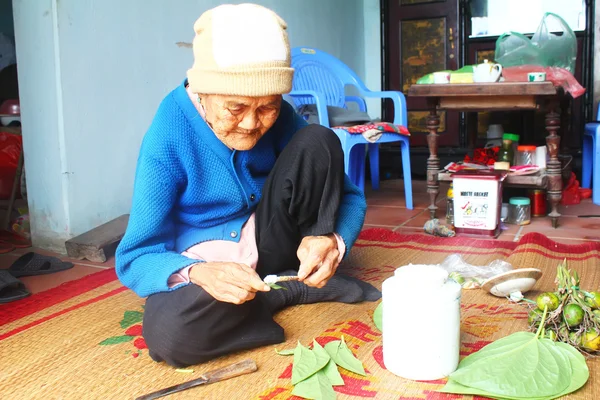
(475, 203)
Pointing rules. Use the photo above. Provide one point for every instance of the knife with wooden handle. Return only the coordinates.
(221, 374)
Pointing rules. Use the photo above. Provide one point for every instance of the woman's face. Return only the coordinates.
(238, 121)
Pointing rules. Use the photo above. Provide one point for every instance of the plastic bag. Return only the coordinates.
(10, 149)
(558, 76)
(473, 275)
(545, 48)
(559, 51)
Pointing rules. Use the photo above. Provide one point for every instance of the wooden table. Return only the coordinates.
(503, 96)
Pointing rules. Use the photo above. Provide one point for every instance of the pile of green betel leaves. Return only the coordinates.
(527, 365)
(523, 365)
(315, 371)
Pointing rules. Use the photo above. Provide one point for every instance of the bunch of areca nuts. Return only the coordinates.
(573, 314)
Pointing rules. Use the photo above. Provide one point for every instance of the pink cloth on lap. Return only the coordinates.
(244, 252)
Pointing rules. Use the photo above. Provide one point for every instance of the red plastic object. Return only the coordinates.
(10, 150)
(487, 156)
(10, 107)
(571, 194)
(539, 206)
(585, 193)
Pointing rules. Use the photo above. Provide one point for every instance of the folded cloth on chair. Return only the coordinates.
(373, 130)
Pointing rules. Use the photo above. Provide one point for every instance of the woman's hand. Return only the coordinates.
(227, 281)
(318, 257)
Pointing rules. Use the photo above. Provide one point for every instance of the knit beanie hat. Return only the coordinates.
(241, 50)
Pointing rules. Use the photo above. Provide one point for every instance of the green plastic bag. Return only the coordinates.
(545, 48)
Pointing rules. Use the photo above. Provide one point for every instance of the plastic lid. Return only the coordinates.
(511, 136)
(519, 201)
(526, 148)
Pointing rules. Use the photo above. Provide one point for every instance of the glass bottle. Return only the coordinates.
(450, 205)
(506, 152)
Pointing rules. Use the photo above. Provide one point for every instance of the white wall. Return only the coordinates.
(372, 29)
(91, 75)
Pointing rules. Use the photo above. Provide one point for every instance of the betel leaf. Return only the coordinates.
(580, 375)
(378, 317)
(287, 352)
(307, 363)
(580, 371)
(276, 286)
(342, 356)
(316, 386)
(330, 369)
(130, 318)
(519, 365)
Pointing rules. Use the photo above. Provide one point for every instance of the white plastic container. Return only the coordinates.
(421, 323)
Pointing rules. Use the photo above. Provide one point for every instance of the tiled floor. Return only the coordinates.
(386, 209)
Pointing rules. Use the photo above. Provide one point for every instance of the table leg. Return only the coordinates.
(433, 162)
(553, 168)
(472, 121)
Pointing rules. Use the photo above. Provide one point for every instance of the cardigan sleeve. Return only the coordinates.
(145, 258)
(351, 214)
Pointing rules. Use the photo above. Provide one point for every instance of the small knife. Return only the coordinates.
(269, 279)
(221, 374)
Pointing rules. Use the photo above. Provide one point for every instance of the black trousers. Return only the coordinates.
(300, 197)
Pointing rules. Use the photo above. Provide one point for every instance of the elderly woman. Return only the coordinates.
(232, 185)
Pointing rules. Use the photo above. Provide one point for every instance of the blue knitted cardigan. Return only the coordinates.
(190, 188)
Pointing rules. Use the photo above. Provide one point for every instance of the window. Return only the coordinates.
(495, 17)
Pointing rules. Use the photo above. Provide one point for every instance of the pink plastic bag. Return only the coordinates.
(558, 76)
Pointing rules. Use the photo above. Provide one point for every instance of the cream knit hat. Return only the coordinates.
(241, 50)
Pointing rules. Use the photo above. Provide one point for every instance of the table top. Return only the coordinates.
(483, 89)
(537, 180)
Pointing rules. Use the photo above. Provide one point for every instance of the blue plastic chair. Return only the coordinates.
(321, 79)
(591, 158)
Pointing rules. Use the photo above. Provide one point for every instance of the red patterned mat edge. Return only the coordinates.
(11, 312)
(385, 235)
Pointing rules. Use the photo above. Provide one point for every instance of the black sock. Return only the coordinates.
(340, 288)
(370, 292)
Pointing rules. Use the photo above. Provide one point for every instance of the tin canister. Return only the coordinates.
(539, 205)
